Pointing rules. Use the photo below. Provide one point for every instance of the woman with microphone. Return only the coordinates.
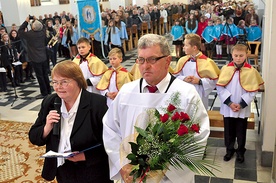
(76, 128)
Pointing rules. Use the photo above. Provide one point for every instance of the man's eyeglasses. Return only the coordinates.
(151, 60)
(63, 83)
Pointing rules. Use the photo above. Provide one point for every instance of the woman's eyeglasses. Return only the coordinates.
(63, 83)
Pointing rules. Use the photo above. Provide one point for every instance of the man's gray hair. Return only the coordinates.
(37, 25)
(149, 40)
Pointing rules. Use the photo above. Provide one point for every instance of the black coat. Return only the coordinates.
(136, 19)
(8, 54)
(86, 132)
(36, 43)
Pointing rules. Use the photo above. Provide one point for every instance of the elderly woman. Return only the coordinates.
(79, 129)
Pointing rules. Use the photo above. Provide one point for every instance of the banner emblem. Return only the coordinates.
(88, 14)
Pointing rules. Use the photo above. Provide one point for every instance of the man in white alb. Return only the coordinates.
(136, 97)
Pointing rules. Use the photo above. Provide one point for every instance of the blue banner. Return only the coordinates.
(89, 16)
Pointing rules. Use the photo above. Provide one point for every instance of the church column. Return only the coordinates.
(20, 10)
(268, 97)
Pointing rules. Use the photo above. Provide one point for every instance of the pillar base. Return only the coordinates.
(266, 159)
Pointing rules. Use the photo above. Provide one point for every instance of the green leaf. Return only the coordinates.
(157, 114)
(134, 147)
(141, 161)
(141, 131)
(160, 130)
(135, 175)
(172, 140)
(155, 128)
(135, 167)
(131, 157)
(166, 136)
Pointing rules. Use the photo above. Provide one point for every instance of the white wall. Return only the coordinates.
(269, 75)
(114, 4)
(54, 6)
(41, 10)
(105, 5)
(10, 17)
(141, 3)
(23, 5)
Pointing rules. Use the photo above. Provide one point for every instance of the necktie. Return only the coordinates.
(82, 60)
(192, 59)
(152, 89)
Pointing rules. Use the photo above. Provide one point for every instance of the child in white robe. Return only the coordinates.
(91, 66)
(115, 77)
(196, 68)
(237, 86)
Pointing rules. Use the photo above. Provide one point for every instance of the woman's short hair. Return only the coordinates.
(150, 40)
(71, 70)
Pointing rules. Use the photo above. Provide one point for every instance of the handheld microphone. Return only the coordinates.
(57, 105)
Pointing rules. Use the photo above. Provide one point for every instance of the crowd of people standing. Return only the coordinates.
(240, 16)
(30, 48)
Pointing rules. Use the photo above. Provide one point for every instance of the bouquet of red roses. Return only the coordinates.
(168, 140)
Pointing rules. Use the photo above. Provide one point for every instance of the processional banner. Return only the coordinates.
(89, 16)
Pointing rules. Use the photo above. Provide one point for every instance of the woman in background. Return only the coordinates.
(52, 38)
(113, 36)
(9, 57)
(70, 38)
(191, 24)
(178, 33)
(16, 42)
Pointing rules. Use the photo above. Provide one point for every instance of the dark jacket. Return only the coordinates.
(157, 16)
(36, 42)
(174, 9)
(128, 22)
(16, 42)
(86, 132)
(8, 54)
(136, 19)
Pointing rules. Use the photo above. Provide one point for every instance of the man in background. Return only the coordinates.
(36, 44)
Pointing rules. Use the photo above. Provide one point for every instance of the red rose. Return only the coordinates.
(182, 130)
(195, 128)
(184, 117)
(171, 108)
(176, 116)
(164, 118)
